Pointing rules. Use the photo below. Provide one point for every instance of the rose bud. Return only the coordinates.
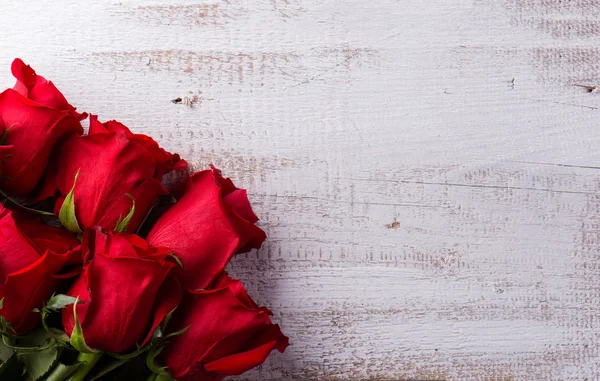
(210, 223)
(35, 119)
(125, 290)
(33, 258)
(112, 171)
(228, 334)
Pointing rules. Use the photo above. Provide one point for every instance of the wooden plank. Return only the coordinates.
(427, 173)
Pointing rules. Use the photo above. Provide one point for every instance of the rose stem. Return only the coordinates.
(88, 361)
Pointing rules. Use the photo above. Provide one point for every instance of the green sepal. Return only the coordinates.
(55, 304)
(157, 334)
(131, 355)
(163, 200)
(6, 340)
(168, 318)
(4, 136)
(59, 336)
(177, 333)
(6, 327)
(60, 301)
(67, 211)
(151, 361)
(7, 198)
(123, 223)
(77, 339)
(176, 259)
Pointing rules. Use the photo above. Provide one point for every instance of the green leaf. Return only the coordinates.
(60, 301)
(123, 223)
(62, 372)
(107, 369)
(77, 339)
(40, 353)
(1, 303)
(40, 363)
(67, 211)
(11, 369)
(5, 352)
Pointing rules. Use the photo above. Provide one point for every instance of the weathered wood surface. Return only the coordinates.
(426, 171)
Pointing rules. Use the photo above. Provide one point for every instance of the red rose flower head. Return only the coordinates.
(107, 171)
(35, 118)
(33, 257)
(126, 289)
(228, 334)
(39, 89)
(207, 226)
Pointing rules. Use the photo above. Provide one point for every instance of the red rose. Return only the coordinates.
(228, 335)
(38, 89)
(113, 164)
(32, 258)
(35, 119)
(165, 161)
(207, 226)
(126, 289)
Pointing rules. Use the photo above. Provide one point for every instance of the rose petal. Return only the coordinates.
(111, 167)
(203, 231)
(16, 251)
(40, 90)
(29, 288)
(235, 286)
(32, 133)
(122, 297)
(167, 300)
(241, 362)
(227, 335)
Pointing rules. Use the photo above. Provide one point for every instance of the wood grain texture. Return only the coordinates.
(427, 173)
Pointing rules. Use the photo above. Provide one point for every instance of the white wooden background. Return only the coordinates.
(427, 173)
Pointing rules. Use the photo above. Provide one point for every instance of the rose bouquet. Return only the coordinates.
(105, 271)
